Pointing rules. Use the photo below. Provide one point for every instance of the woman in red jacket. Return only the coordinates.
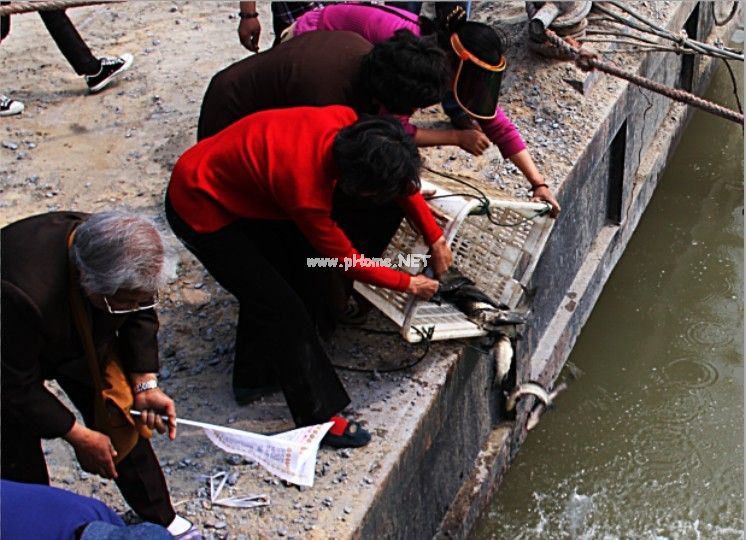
(254, 201)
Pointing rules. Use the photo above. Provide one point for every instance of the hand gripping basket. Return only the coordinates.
(499, 255)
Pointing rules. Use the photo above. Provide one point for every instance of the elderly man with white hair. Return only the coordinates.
(78, 293)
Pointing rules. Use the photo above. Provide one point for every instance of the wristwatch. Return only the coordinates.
(247, 15)
(147, 385)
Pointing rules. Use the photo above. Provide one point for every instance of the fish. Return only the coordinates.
(536, 412)
(503, 352)
(529, 388)
(533, 417)
(479, 307)
(534, 389)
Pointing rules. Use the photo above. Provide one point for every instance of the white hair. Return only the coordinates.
(116, 251)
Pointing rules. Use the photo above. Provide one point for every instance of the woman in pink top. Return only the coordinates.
(374, 23)
(477, 53)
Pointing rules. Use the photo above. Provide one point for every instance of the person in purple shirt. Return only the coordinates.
(478, 63)
(40, 511)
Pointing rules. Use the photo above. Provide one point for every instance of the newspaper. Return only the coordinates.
(217, 482)
(290, 455)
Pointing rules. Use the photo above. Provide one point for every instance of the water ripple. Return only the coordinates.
(710, 334)
(665, 448)
(721, 290)
(691, 373)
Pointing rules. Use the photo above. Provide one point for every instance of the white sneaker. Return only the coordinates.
(183, 529)
(9, 107)
(111, 68)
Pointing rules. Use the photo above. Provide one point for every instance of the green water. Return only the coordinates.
(648, 441)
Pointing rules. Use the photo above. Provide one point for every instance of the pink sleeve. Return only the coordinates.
(308, 22)
(501, 131)
(409, 128)
(374, 24)
(381, 25)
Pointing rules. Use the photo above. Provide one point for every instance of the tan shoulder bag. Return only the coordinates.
(113, 395)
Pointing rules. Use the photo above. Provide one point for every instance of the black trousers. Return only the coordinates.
(71, 45)
(140, 478)
(281, 301)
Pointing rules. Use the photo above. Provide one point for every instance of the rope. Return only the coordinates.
(426, 340)
(639, 47)
(49, 5)
(647, 27)
(735, 85)
(732, 13)
(588, 61)
(484, 208)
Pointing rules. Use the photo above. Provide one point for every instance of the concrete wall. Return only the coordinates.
(438, 459)
(584, 192)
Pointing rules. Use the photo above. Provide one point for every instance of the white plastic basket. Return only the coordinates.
(498, 258)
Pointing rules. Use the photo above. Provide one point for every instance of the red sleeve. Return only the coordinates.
(417, 210)
(331, 242)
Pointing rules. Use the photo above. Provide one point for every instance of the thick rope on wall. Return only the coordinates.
(49, 5)
(587, 61)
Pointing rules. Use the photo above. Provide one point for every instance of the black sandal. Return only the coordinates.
(354, 436)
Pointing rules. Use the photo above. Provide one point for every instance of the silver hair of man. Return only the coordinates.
(116, 251)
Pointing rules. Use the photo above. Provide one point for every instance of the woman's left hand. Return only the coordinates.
(543, 193)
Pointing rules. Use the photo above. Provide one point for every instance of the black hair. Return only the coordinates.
(376, 159)
(427, 27)
(405, 73)
(482, 41)
(446, 24)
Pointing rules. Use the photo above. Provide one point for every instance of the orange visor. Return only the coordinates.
(476, 85)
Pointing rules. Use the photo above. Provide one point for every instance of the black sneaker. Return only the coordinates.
(9, 107)
(111, 68)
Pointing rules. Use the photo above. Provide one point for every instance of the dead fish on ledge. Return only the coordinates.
(503, 351)
(460, 291)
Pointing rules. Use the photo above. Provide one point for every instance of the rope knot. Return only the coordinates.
(585, 60)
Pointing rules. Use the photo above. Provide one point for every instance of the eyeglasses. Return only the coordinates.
(140, 307)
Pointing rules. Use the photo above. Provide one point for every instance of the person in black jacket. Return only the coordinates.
(116, 263)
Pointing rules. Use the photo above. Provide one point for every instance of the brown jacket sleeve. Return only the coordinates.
(24, 397)
(138, 342)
